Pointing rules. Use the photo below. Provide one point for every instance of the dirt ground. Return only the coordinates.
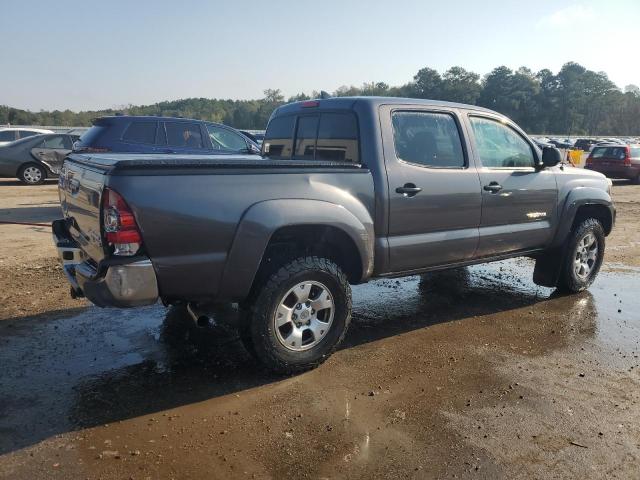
(474, 373)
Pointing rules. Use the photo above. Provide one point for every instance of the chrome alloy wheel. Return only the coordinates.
(32, 174)
(304, 316)
(586, 256)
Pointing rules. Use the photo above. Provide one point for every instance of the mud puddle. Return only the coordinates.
(462, 373)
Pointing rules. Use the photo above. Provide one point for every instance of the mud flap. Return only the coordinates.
(548, 267)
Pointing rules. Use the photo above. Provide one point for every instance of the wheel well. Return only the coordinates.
(315, 240)
(599, 212)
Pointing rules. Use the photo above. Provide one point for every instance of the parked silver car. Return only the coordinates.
(11, 134)
(33, 159)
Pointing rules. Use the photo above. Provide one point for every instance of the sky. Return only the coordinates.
(85, 55)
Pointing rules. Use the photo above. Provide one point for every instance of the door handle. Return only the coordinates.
(493, 187)
(408, 190)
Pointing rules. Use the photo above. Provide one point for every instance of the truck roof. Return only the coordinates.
(349, 102)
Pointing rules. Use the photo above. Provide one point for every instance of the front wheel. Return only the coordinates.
(32, 174)
(585, 252)
(299, 316)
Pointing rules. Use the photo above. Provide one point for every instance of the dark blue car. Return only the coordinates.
(130, 134)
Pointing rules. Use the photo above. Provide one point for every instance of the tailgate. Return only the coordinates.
(80, 190)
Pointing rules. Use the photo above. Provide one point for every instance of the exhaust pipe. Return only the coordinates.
(200, 319)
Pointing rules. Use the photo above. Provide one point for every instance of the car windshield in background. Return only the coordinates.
(225, 139)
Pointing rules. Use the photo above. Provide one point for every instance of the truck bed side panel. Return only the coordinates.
(188, 221)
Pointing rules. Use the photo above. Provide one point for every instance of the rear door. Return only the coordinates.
(519, 201)
(52, 150)
(143, 136)
(186, 137)
(434, 189)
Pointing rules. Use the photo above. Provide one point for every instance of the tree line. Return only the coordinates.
(575, 101)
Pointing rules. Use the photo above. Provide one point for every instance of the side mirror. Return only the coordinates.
(551, 157)
(253, 149)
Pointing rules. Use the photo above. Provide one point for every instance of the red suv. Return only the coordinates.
(616, 161)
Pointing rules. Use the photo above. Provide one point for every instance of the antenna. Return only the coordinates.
(324, 94)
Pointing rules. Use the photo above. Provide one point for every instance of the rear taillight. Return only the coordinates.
(589, 160)
(120, 227)
(627, 156)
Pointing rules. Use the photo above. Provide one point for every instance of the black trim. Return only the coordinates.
(466, 263)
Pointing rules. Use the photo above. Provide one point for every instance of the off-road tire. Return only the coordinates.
(569, 281)
(23, 177)
(257, 330)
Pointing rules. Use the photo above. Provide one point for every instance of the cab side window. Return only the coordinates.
(430, 139)
(499, 146)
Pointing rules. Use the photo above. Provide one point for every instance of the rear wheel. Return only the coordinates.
(299, 316)
(585, 252)
(32, 174)
(636, 180)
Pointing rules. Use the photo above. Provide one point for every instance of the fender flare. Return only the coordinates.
(579, 197)
(263, 219)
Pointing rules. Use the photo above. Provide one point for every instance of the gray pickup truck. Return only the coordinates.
(347, 189)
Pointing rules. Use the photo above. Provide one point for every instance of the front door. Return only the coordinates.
(434, 189)
(519, 201)
(52, 151)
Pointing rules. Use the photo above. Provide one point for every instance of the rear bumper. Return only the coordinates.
(123, 283)
(628, 172)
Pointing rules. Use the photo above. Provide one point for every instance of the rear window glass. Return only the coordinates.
(140, 132)
(93, 135)
(278, 139)
(609, 152)
(328, 136)
(184, 134)
(635, 152)
(337, 138)
(306, 135)
(429, 139)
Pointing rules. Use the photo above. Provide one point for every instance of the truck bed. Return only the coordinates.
(191, 209)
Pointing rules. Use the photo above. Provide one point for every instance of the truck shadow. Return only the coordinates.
(150, 367)
(40, 214)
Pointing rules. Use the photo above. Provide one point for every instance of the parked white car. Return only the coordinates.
(11, 134)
